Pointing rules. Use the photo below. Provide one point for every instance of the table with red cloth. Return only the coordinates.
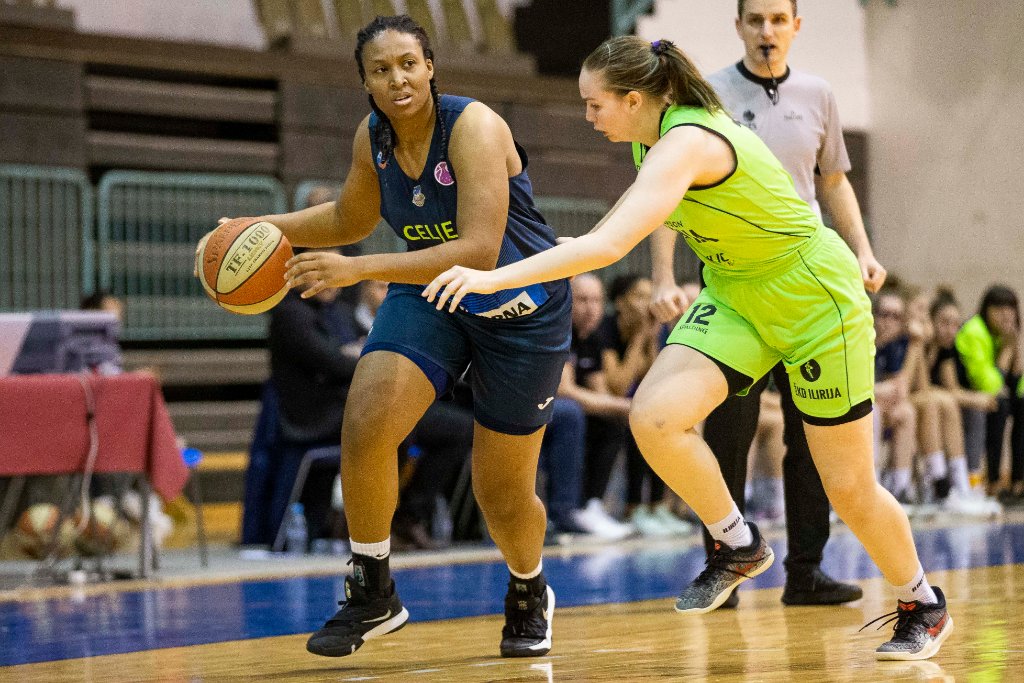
(44, 428)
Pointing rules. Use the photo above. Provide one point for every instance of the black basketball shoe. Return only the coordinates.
(920, 629)
(726, 568)
(362, 616)
(529, 609)
(815, 587)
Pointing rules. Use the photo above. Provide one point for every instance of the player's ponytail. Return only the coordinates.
(658, 69)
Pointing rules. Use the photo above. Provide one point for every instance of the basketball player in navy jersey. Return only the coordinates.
(446, 175)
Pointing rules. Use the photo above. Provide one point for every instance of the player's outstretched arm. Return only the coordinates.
(684, 156)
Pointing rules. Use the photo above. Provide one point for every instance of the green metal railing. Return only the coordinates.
(46, 246)
(149, 224)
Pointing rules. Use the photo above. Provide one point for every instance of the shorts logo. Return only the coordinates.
(542, 406)
(516, 308)
(442, 174)
(810, 370)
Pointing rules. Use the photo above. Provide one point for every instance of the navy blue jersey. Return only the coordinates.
(422, 212)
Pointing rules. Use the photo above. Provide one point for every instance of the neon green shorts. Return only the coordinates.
(812, 314)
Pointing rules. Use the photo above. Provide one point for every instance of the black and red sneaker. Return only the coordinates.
(920, 629)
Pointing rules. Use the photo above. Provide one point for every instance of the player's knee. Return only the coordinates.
(846, 491)
(497, 501)
(651, 422)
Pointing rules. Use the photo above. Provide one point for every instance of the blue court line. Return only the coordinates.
(119, 622)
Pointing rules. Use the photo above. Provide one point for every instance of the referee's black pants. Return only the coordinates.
(729, 431)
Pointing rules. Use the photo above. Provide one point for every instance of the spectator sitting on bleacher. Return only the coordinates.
(633, 338)
(947, 370)
(989, 345)
(313, 354)
(606, 413)
(892, 393)
(939, 422)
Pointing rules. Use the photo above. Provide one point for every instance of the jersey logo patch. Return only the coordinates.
(442, 174)
(516, 308)
(810, 370)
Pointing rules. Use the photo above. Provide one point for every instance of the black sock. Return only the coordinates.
(534, 586)
(942, 487)
(372, 573)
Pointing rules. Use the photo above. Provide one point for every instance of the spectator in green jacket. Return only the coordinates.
(989, 345)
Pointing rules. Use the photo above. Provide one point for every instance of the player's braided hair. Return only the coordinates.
(384, 134)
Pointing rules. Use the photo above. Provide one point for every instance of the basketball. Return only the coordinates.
(104, 532)
(241, 265)
(36, 528)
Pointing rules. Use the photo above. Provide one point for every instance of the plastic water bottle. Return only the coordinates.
(296, 535)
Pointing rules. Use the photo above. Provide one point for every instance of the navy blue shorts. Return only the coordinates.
(514, 364)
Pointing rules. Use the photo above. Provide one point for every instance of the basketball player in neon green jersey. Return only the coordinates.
(779, 287)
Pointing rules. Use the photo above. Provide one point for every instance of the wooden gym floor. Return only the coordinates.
(614, 622)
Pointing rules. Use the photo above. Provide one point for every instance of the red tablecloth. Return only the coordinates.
(44, 430)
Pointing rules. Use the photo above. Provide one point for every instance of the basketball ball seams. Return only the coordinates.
(259, 290)
(263, 306)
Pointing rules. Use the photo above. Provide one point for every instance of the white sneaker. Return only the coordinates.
(668, 519)
(648, 524)
(594, 520)
(964, 505)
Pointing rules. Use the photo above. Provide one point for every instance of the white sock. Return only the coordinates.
(530, 575)
(377, 551)
(900, 480)
(732, 530)
(918, 589)
(936, 463)
(958, 477)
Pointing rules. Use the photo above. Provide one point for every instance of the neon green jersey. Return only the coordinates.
(749, 224)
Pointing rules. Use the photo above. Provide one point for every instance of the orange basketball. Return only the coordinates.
(241, 265)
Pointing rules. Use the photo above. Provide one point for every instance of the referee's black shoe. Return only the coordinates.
(529, 609)
(362, 616)
(815, 587)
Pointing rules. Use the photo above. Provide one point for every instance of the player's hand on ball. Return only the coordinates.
(458, 282)
(314, 271)
(199, 247)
